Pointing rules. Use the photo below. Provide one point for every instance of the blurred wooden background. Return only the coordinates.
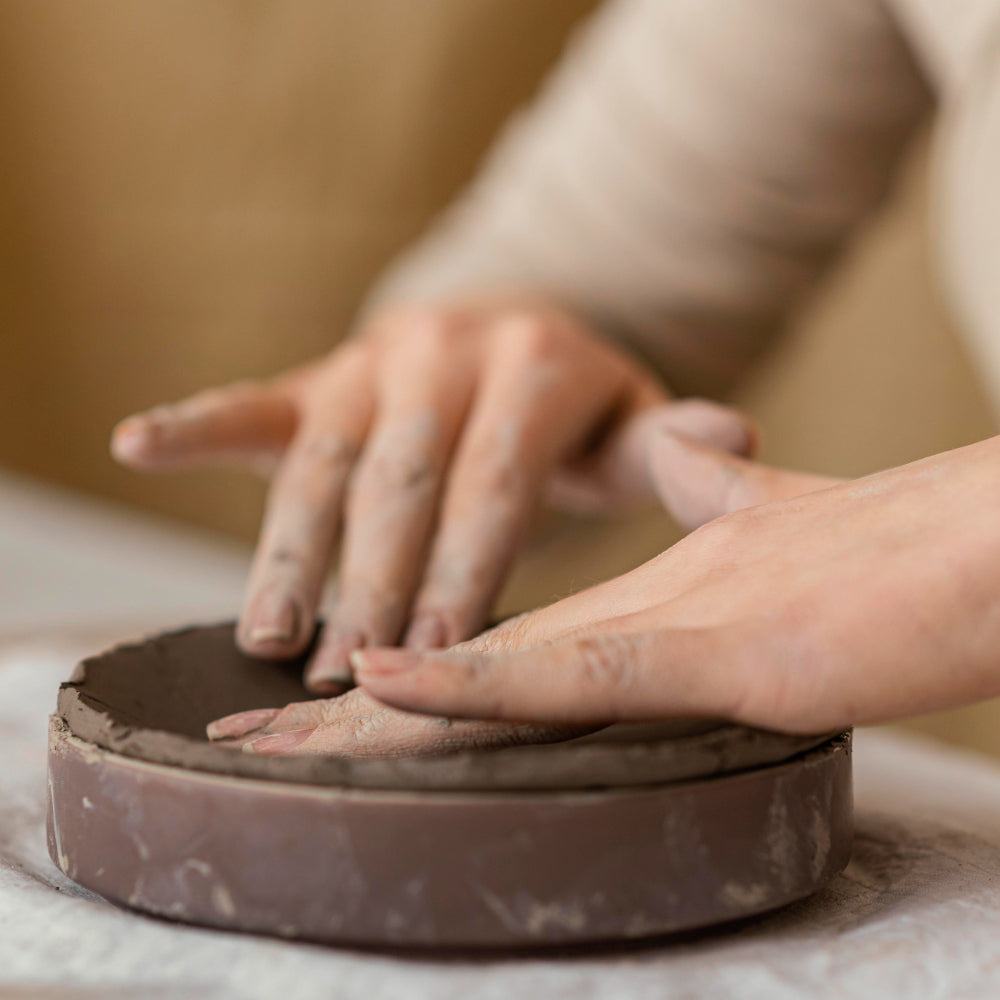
(196, 191)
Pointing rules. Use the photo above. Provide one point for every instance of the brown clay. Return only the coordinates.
(474, 849)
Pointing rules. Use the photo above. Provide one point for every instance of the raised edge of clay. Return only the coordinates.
(151, 700)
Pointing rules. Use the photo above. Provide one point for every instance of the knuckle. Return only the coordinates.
(436, 332)
(474, 668)
(480, 674)
(407, 473)
(530, 337)
(720, 534)
(357, 354)
(327, 449)
(494, 475)
(284, 563)
(311, 478)
(474, 671)
(487, 642)
(503, 638)
(608, 663)
(284, 556)
(424, 323)
(366, 728)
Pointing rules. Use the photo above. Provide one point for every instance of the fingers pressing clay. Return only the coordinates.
(365, 438)
(622, 676)
(244, 422)
(390, 514)
(307, 714)
(424, 389)
(698, 483)
(528, 412)
(398, 734)
(278, 743)
(263, 725)
(357, 725)
(300, 524)
(266, 721)
(241, 724)
(301, 521)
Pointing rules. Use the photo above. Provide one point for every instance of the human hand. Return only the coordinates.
(356, 724)
(431, 436)
(821, 606)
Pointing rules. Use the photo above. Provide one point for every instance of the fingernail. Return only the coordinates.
(709, 423)
(384, 661)
(278, 742)
(240, 723)
(426, 632)
(275, 619)
(330, 669)
(131, 439)
(329, 687)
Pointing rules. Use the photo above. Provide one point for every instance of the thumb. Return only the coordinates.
(598, 679)
(617, 475)
(698, 483)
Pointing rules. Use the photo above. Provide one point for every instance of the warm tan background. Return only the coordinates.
(193, 191)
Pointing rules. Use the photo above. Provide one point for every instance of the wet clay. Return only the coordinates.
(152, 700)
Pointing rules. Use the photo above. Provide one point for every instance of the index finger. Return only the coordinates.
(245, 421)
(614, 677)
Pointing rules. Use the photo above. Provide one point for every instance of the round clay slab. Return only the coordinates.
(471, 850)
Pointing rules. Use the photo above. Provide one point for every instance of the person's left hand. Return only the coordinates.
(821, 606)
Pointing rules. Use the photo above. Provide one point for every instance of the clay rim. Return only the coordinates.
(150, 700)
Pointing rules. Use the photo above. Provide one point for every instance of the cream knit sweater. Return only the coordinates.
(691, 166)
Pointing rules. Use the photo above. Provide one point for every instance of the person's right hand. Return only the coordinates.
(430, 437)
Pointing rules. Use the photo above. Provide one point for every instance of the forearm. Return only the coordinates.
(685, 175)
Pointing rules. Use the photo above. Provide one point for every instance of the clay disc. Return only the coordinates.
(501, 848)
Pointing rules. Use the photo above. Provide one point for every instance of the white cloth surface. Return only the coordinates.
(917, 913)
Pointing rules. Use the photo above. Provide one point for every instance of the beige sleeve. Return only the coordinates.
(959, 42)
(686, 172)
